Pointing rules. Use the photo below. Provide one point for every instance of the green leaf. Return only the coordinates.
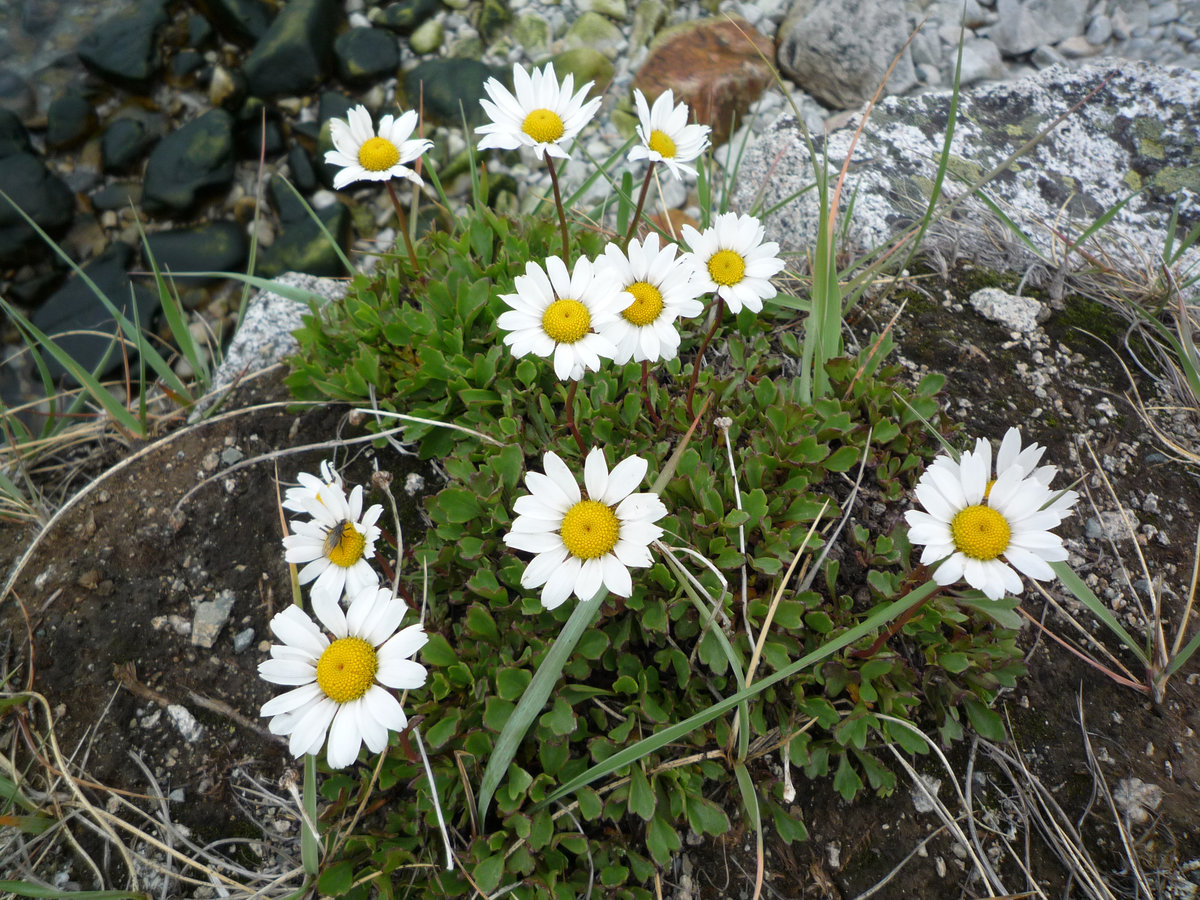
(497, 713)
(662, 840)
(954, 662)
(704, 816)
(336, 880)
(641, 795)
(481, 624)
(438, 652)
(444, 729)
(986, 722)
(458, 504)
(511, 683)
(488, 872)
(843, 459)
(846, 781)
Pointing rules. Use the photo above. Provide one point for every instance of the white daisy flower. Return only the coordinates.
(543, 114)
(666, 135)
(733, 262)
(367, 156)
(341, 685)
(583, 545)
(658, 288)
(983, 530)
(295, 498)
(561, 313)
(336, 544)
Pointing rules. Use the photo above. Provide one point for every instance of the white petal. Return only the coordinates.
(344, 738)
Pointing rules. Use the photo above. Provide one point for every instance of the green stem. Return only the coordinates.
(571, 416)
(720, 310)
(403, 220)
(920, 574)
(646, 393)
(309, 841)
(637, 214)
(562, 214)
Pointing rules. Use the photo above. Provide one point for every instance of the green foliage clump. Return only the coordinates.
(430, 347)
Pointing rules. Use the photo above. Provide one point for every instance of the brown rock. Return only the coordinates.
(717, 66)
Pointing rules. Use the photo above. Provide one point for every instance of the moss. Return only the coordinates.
(1173, 180)
(1081, 314)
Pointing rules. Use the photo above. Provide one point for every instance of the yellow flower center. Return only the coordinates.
(346, 670)
(590, 529)
(646, 306)
(661, 144)
(567, 321)
(378, 154)
(344, 544)
(980, 532)
(726, 267)
(543, 125)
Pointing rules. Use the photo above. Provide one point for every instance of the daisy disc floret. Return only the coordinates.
(585, 543)
(540, 113)
(658, 289)
(561, 314)
(733, 262)
(341, 680)
(986, 531)
(335, 546)
(365, 155)
(666, 135)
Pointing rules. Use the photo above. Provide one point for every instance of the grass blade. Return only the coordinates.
(529, 707)
(680, 730)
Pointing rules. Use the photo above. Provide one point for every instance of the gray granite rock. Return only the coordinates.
(839, 52)
(1025, 24)
(1139, 132)
(265, 335)
(1017, 314)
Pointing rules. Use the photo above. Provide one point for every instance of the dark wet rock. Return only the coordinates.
(333, 105)
(365, 55)
(301, 246)
(38, 15)
(296, 53)
(43, 196)
(243, 21)
(185, 63)
(123, 144)
(197, 157)
(839, 52)
(199, 30)
(450, 84)
(13, 136)
(493, 16)
(404, 17)
(118, 195)
(259, 130)
(124, 49)
(15, 93)
(70, 120)
(304, 176)
(75, 307)
(213, 247)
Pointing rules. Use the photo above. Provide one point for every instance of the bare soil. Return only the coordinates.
(99, 620)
